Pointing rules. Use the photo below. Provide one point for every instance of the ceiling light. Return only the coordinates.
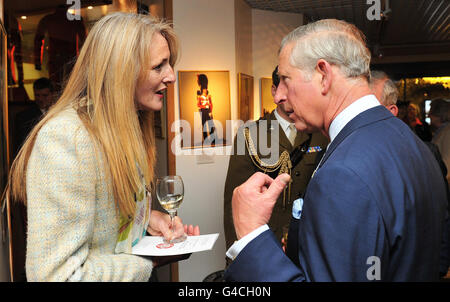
(90, 7)
(24, 17)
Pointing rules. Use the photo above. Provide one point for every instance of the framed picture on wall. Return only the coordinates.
(267, 103)
(245, 97)
(204, 98)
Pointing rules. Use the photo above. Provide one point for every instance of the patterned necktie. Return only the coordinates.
(292, 134)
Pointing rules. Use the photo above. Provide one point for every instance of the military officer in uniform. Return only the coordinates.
(304, 151)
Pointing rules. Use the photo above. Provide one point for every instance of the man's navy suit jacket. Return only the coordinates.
(378, 192)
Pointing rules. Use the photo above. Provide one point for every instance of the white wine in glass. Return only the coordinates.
(170, 193)
(171, 202)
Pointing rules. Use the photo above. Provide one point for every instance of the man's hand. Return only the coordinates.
(253, 201)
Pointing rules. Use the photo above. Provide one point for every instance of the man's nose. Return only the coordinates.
(279, 97)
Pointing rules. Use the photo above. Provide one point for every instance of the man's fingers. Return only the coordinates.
(260, 181)
(278, 185)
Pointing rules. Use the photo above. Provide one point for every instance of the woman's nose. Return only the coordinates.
(170, 75)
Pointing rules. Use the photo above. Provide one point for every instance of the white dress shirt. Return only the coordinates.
(284, 124)
(342, 119)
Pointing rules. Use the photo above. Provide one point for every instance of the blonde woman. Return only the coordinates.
(420, 127)
(84, 170)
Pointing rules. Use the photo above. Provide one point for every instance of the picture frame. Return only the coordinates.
(198, 90)
(267, 103)
(245, 97)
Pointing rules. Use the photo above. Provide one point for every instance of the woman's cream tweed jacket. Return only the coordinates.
(72, 219)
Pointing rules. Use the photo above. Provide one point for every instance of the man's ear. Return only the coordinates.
(326, 75)
(393, 109)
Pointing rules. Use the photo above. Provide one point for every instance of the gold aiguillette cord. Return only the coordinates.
(283, 164)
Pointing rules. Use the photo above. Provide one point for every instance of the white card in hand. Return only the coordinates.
(153, 245)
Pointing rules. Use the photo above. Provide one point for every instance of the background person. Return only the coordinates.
(241, 166)
(385, 90)
(440, 120)
(44, 97)
(421, 128)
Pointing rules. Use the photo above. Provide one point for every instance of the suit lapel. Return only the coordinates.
(363, 119)
(300, 138)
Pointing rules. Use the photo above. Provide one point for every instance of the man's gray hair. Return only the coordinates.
(390, 90)
(377, 75)
(336, 41)
(390, 93)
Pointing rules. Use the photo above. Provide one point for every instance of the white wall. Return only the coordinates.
(207, 39)
(269, 28)
(243, 25)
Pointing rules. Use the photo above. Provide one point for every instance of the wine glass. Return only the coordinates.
(170, 193)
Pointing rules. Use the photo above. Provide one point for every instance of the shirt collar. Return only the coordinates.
(346, 115)
(284, 124)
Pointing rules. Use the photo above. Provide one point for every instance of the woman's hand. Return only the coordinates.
(191, 230)
(160, 225)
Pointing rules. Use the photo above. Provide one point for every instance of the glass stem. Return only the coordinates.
(172, 216)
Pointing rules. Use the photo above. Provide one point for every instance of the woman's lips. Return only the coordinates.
(160, 93)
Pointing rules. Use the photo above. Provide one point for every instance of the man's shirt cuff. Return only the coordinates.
(239, 245)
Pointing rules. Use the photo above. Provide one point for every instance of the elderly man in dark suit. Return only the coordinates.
(286, 138)
(374, 209)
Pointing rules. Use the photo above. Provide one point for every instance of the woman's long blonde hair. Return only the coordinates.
(114, 57)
